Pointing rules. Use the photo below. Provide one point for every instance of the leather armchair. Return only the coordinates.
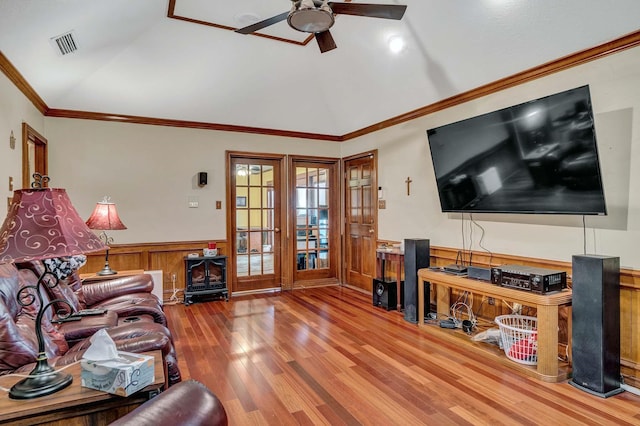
(187, 403)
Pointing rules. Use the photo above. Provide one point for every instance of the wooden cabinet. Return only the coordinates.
(205, 276)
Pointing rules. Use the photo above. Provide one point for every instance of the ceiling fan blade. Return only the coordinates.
(263, 24)
(387, 11)
(325, 41)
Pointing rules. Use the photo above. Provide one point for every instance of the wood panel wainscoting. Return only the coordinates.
(167, 257)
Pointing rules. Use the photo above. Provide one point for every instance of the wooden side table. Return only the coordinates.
(76, 405)
(87, 278)
(548, 368)
(391, 255)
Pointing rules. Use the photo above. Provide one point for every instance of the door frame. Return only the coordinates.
(231, 255)
(374, 155)
(39, 158)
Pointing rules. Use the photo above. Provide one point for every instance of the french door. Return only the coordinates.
(314, 219)
(255, 184)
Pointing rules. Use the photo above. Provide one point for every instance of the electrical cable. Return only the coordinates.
(480, 242)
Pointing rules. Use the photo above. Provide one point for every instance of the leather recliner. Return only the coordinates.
(188, 403)
(127, 296)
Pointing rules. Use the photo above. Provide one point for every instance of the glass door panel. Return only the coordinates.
(313, 210)
(256, 245)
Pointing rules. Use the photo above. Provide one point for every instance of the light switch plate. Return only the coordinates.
(218, 205)
(382, 204)
(10, 183)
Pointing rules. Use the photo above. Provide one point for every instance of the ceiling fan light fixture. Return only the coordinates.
(396, 43)
(309, 18)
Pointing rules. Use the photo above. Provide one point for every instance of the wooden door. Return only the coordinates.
(255, 222)
(315, 215)
(360, 220)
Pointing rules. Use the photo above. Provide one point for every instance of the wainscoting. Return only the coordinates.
(169, 257)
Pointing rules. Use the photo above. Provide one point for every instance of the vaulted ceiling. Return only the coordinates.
(180, 60)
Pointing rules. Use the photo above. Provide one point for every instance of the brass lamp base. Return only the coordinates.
(44, 381)
(106, 271)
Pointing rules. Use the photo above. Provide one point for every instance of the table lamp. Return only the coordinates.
(42, 223)
(105, 217)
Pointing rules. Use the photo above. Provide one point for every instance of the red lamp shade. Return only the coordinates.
(41, 224)
(104, 217)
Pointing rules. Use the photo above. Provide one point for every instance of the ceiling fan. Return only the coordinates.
(317, 16)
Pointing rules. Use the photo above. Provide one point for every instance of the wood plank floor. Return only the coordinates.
(326, 356)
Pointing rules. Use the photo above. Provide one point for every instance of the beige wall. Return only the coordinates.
(14, 110)
(404, 151)
(150, 171)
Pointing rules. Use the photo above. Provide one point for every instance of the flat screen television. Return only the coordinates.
(535, 157)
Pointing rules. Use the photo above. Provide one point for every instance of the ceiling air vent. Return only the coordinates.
(65, 43)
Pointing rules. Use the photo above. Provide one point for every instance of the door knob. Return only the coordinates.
(276, 230)
(371, 231)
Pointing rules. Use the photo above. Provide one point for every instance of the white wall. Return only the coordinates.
(151, 171)
(404, 151)
(14, 110)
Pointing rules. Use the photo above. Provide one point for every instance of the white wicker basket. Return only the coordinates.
(519, 335)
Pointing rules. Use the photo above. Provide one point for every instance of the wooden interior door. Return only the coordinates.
(255, 222)
(360, 220)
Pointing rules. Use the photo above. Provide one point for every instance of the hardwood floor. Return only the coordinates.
(327, 356)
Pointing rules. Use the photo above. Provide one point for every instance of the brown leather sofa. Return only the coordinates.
(187, 403)
(65, 343)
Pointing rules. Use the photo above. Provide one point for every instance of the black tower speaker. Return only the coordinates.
(202, 178)
(416, 256)
(596, 324)
(385, 294)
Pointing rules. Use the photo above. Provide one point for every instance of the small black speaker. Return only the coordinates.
(596, 324)
(385, 294)
(416, 256)
(202, 178)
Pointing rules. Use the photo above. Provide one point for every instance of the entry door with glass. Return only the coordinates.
(315, 214)
(255, 223)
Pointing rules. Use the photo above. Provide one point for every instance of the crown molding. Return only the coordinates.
(100, 116)
(623, 43)
(18, 80)
(566, 62)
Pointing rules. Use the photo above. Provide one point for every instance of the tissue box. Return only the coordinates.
(123, 376)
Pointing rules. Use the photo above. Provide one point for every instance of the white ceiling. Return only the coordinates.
(134, 60)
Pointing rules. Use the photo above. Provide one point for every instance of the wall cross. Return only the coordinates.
(408, 182)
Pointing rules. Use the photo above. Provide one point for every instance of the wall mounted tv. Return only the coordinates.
(536, 157)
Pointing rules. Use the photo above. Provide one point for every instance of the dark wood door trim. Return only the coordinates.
(40, 154)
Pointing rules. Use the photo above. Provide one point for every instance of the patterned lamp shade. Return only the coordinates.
(104, 217)
(42, 224)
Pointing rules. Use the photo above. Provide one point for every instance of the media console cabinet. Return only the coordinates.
(548, 368)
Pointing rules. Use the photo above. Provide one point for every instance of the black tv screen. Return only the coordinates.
(536, 157)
